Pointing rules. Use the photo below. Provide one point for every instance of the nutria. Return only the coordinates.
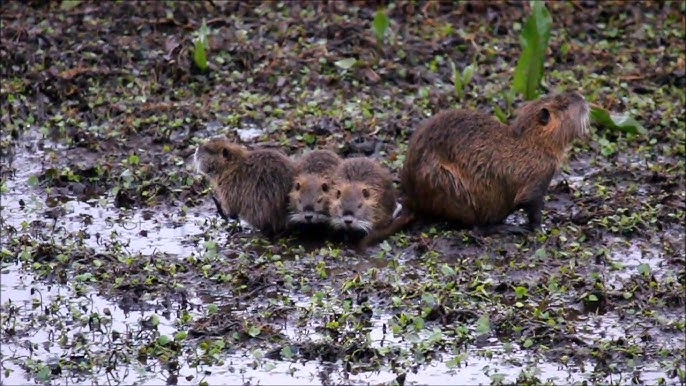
(251, 185)
(466, 167)
(364, 201)
(309, 199)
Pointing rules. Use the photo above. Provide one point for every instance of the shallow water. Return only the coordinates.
(241, 366)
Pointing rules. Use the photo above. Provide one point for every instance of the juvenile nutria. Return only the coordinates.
(464, 166)
(310, 195)
(364, 201)
(251, 185)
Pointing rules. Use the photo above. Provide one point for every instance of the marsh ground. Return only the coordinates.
(115, 268)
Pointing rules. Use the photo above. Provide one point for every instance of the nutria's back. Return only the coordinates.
(252, 185)
(364, 196)
(465, 166)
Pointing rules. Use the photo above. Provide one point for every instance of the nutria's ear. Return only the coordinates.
(365, 193)
(325, 187)
(544, 116)
(338, 194)
(296, 186)
(225, 153)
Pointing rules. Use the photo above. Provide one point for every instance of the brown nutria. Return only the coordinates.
(251, 185)
(309, 199)
(364, 202)
(466, 167)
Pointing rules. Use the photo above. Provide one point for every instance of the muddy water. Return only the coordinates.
(177, 235)
(241, 366)
(479, 365)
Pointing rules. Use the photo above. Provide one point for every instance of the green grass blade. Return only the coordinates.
(457, 80)
(200, 46)
(380, 25)
(346, 63)
(500, 114)
(68, 5)
(199, 56)
(467, 73)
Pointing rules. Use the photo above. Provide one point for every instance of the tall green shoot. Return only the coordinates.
(462, 79)
(380, 25)
(534, 41)
(529, 72)
(200, 47)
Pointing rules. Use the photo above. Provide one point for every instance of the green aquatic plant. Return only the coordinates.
(200, 46)
(534, 41)
(462, 79)
(380, 25)
(620, 122)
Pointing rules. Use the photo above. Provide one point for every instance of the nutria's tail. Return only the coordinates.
(403, 220)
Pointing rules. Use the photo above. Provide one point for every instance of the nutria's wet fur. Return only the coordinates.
(364, 198)
(310, 198)
(251, 185)
(466, 167)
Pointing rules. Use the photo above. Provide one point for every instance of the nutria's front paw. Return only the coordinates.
(234, 226)
(220, 211)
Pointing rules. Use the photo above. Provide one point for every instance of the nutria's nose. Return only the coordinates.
(308, 208)
(308, 217)
(348, 221)
(348, 213)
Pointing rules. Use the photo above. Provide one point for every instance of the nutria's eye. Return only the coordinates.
(365, 193)
(544, 116)
(225, 153)
(297, 186)
(319, 201)
(325, 187)
(338, 194)
(359, 205)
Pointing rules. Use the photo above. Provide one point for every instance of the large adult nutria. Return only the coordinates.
(364, 201)
(251, 185)
(466, 167)
(309, 199)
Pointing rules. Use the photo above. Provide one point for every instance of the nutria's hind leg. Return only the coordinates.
(269, 231)
(269, 234)
(273, 232)
(533, 210)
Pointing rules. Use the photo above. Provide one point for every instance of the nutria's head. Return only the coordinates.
(353, 206)
(318, 162)
(309, 199)
(555, 119)
(216, 155)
